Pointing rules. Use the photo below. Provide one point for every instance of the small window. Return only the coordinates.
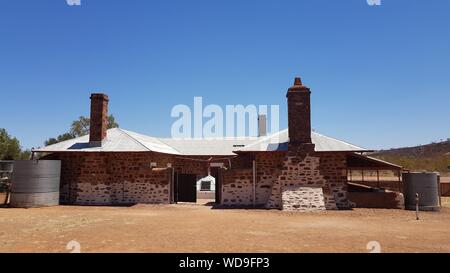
(205, 186)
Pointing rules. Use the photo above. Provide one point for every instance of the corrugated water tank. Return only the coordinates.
(426, 185)
(35, 183)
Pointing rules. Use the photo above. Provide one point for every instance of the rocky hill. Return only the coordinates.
(429, 157)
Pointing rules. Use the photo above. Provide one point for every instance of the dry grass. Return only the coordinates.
(195, 228)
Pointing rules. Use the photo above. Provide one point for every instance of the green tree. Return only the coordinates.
(112, 123)
(9, 146)
(79, 127)
(59, 138)
(25, 155)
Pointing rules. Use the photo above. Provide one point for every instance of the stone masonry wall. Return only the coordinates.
(311, 171)
(191, 166)
(237, 187)
(283, 177)
(113, 178)
(268, 169)
(123, 178)
(303, 198)
(299, 170)
(333, 167)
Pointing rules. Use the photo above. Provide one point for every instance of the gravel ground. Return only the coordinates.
(199, 228)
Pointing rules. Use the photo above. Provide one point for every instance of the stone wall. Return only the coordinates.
(325, 171)
(303, 198)
(299, 170)
(124, 178)
(194, 165)
(237, 187)
(113, 178)
(268, 169)
(333, 167)
(281, 176)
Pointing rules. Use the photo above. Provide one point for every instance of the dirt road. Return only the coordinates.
(195, 228)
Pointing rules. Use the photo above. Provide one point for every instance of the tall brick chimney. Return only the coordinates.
(299, 115)
(99, 119)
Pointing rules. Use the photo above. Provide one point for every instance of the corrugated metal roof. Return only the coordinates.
(151, 143)
(119, 140)
(225, 146)
(364, 162)
(279, 142)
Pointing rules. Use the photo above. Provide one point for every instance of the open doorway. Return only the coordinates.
(185, 188)
(192, 188)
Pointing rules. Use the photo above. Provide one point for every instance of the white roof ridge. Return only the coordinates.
(148, 136)
(211, 138)
(265, 138)
(132, 138)
(162, 141)
(345, 142)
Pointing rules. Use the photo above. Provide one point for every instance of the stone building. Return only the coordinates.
(295, 169)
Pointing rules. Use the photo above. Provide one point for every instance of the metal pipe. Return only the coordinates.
(172, 187)
(254, 183)
(378, 179)
(176, 194)
(417, 206)
(439, 189)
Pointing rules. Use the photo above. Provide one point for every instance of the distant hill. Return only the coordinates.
(429, 157)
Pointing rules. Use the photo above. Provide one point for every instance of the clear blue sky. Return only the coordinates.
(380, 76)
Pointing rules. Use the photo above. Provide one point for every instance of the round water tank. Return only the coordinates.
(35, 183)
(424, 184)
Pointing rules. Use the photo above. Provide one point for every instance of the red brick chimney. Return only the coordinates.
(299, 114)
(99, 119)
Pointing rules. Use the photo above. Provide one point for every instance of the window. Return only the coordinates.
(205, 186)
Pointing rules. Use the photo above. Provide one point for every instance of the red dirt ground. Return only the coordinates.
(197, 228)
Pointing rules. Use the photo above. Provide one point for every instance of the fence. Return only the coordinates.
(6, 168)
